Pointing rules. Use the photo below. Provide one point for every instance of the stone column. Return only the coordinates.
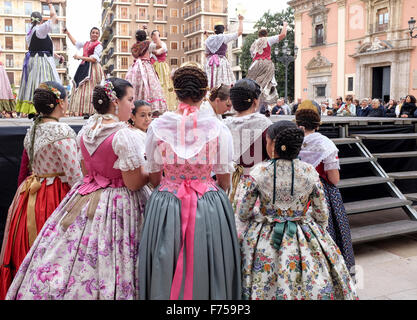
(341, 38)
(298, 62)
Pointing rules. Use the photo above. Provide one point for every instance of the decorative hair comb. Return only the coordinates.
(109, 89)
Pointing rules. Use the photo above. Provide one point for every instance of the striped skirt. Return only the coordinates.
(82, 95)
(41, 68)
(164, 74)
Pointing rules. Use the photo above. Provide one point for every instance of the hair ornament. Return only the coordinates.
(100, 101)
(109, 89)
(34, 19)
(284, 148)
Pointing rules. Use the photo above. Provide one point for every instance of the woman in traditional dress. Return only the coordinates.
(140, 119)
(88, 75)
(287, 254)
(163, 70)
(322, 154)
(189, 247)
(88, 248)
(143, 76)
(248, 129)
(262, 69)
(7, 100)
(218, 68)
(39, 65)
(52, 151)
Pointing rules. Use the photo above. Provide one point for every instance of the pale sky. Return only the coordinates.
(82, 15)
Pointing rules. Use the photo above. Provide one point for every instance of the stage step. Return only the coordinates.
(382, 231)
(400, 136)
(363, 181)
(339, 141)
(411, 196)
(407, 154)
(403, 175)
(375, 204)
(353, 160)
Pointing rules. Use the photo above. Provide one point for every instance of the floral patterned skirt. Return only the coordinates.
(221, 74)
(87, 249)
(307, 266)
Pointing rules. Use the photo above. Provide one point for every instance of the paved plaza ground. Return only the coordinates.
(387, 268)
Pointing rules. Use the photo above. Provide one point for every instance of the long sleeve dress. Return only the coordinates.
(218, 68)
(88, 75)
(38, 67)
(262, 69)
(189, 248)
(287, 254)
(88, 248)
(55, 169)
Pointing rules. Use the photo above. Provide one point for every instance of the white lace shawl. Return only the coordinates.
(246, 130)
(214, 42)
(318, 148)
(47, 133)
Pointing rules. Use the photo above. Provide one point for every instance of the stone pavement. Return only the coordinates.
(386, 269)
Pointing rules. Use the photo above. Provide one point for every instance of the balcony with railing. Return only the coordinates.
(192, 12)
(192, 30)
(160, 3)
(160, 19)
(142, 18)
(195, 46)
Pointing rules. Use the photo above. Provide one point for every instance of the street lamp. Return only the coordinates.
(286, 59)
(412, 26)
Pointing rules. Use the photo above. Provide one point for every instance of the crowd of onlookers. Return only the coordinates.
(349, 107)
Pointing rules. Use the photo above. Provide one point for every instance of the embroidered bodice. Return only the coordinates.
(307, 192)
(55, 151)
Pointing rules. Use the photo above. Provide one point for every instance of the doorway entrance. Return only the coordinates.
(381, 83)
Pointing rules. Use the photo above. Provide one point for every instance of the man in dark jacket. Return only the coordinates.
(377, 109)
(364, 108)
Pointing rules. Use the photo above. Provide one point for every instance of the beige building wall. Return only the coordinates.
(14, 25)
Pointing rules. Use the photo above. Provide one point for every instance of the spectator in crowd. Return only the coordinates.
(390, 109)
(399, 106)
(377, 109)
(294, 108)
(281, 108)
(357, 104)
(409, 107)
(364, 108)
(337, 105)
(323, 109)
(347, 109)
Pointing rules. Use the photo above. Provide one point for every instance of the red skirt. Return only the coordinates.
(47, 200)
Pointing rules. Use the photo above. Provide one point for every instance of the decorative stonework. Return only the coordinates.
(317, 63)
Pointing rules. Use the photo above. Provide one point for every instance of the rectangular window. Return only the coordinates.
(160, 14)
(174, 61)
(174, 29)
(8, 25)
(10, 75)
(319, 34)
(124, 62)
(174, 13)
(350, 84)
(45, 10)
(9, 43)
(124, 29)
(382, 19)
(28, 8)
(28, 26)
(174, 45)
(124, 13)
(321, 91)
(124, 45)
(9, 61)
(161, 29)
(8, 7)
(142, 13)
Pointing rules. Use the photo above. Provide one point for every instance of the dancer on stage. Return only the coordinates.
(39, 65)
(7, 100)
(189, 247)
(248, 129)
(163, 70)
(218, 68)
(287, 254)
(322, 153)
(88, 75)
(52, 151)
(143, 76)
(89, 246)
(262, 69)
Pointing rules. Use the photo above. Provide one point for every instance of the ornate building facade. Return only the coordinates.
(358, 47)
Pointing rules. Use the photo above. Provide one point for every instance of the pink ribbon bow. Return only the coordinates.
(214, 60)
(187, 110)
(187, 193)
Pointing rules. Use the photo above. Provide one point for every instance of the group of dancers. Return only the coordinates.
(151, 203)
